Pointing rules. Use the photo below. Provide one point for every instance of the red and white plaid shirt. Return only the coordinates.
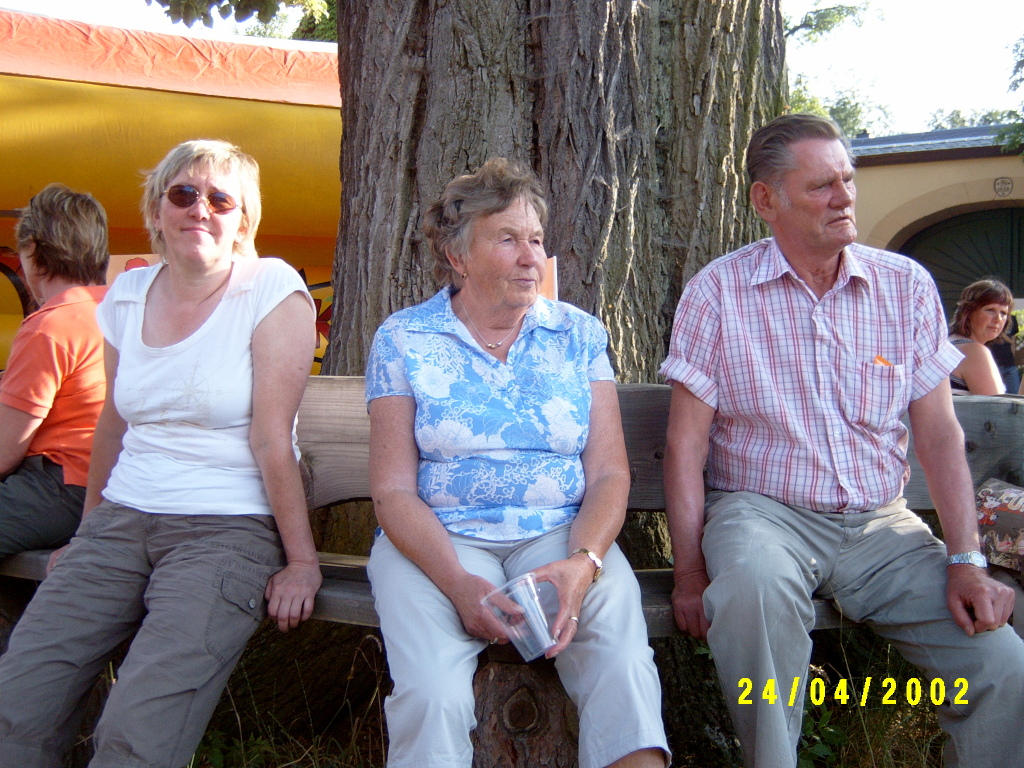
(809, 393)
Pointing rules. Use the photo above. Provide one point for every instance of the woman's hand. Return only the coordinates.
(466, 592)
(291, 592)
(571, 578)
(51, 561)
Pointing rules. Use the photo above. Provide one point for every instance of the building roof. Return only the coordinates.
(948, 144)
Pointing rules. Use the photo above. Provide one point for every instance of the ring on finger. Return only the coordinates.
(575, 618)
(495, 641)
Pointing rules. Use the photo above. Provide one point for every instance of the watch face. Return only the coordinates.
(971, 558)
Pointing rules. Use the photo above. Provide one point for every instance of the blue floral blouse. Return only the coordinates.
(499, 443)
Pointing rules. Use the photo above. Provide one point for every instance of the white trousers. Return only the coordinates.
(767, 560)
(608, 669)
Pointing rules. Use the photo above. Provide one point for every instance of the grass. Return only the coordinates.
(272, 745)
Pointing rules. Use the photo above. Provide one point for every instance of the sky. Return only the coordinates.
(915, 57)
(912, 57)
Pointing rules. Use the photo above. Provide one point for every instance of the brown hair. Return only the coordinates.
(980, 294)
(492, 189)
(768, 155)
(69, 230)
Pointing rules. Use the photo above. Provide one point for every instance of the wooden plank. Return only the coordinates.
(644, 420)
(994, 438)
(334, 437)
(26, 565)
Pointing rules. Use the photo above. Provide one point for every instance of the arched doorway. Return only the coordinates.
(970, 246)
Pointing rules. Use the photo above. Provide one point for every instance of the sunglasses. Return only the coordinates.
(185, 196)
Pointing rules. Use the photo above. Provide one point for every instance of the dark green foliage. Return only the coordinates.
(324, 29)
(190, 11)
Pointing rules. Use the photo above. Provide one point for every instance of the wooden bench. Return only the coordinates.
(333, 434)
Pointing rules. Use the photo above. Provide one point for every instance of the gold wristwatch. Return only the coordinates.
(596, 560)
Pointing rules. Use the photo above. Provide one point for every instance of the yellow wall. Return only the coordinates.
(100, 139)
(895, 202)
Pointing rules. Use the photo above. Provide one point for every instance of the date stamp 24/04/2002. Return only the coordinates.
(914, 692)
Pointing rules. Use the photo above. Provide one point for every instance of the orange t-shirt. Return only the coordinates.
(55, 371)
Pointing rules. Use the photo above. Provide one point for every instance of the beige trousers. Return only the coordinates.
(767, 560)
(191, 585)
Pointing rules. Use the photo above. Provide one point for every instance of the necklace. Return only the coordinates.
(496, 344)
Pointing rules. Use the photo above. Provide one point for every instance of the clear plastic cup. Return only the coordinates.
(517, 605)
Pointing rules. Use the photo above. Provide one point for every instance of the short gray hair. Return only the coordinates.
(492, 189)
(768, 154)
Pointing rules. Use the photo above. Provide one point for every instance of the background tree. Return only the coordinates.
(855, 113)
(818, 22)
(1013, 136)
(635, 116)
(942, 119)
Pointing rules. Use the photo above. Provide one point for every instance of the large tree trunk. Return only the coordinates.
(633, 114)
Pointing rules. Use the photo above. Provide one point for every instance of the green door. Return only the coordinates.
(965, 248)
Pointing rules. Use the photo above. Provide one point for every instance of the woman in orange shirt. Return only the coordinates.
(54, 386)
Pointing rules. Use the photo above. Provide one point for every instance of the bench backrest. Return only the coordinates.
(334, 432)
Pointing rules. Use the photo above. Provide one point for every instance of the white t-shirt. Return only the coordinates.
(189, 406)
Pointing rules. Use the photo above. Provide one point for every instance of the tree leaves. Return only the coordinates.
(190, 11)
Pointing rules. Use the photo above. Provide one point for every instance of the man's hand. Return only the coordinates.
(977, 601)
(688, 603)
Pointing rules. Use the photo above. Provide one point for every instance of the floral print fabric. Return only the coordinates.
(499, 443)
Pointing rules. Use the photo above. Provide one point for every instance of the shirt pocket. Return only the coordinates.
(874, 395)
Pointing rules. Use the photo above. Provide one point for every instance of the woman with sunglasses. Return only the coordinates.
(195, 522)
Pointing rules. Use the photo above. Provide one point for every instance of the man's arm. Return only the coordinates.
(17, 429)
(977, 602)
(686, 451)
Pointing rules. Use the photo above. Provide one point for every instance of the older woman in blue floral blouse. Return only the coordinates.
(496, 448)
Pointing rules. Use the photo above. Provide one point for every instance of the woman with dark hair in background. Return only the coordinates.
(53, 388)
(980, 317)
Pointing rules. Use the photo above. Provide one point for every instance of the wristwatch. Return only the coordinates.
(970, 558)
(597, 560)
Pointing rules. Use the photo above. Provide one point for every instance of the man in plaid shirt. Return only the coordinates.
(792, 361)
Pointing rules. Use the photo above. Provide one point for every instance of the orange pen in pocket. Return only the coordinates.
(879, 360)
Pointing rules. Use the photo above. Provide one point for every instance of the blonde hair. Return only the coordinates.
(219, 156)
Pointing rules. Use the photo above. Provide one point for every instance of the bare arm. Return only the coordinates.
(106, 440)
(410, 523)
(602, 511)
(977, 602)
(978, 369)
(106, 445)
(282, 353)
(686, 451)
(17, 429)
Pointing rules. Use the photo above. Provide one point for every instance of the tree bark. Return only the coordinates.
(635, 117)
